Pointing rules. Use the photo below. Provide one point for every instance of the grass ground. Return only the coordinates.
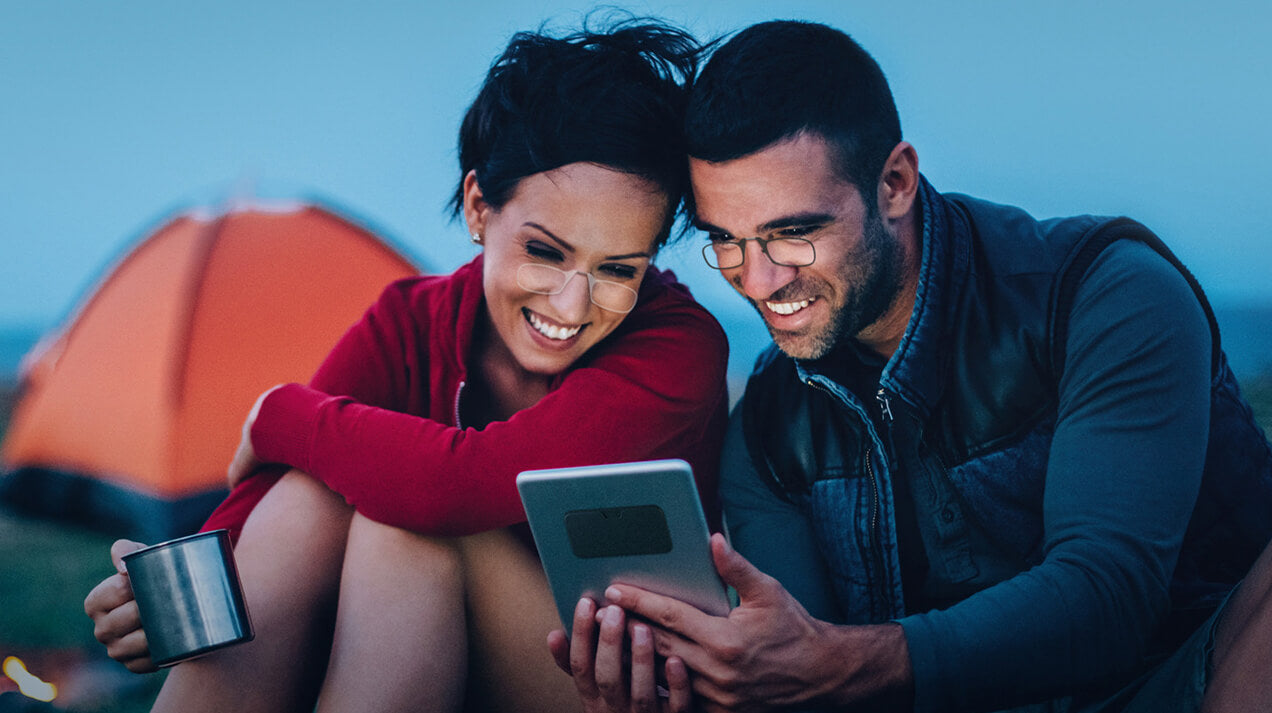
(46, 569)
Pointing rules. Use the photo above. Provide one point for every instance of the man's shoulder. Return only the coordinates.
(1014, 241)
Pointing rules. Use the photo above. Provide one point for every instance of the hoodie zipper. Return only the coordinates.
(459, 390)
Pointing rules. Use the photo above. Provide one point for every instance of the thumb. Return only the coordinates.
(559, 647)
(737, 572)
(121, 548)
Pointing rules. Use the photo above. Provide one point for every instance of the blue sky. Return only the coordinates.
(115, 114)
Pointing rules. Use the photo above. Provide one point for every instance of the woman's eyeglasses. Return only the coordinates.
(548, 280)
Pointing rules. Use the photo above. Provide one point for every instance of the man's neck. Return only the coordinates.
(883, 336)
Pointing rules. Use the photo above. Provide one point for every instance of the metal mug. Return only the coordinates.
(189, 596)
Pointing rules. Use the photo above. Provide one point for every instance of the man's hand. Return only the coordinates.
(116, 621)
(245, 462)
(768, 652)
(606, 684)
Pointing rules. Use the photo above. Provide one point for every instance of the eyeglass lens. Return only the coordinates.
(548, 280)
(791, 252)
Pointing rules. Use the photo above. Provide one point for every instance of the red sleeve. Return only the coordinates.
(654, 389)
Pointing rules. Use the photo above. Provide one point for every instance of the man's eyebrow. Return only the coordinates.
(570, 248)
(786, 221)
(795, 220)
(704, 226)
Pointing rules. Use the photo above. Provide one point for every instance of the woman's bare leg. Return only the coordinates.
(436, 624)
(400, 640)
(289, 557)
(510, 614)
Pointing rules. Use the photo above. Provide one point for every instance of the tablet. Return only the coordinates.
(630, 523)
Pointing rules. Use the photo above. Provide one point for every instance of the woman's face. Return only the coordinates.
(579, 217)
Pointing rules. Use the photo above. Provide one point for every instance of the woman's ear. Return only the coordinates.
(476, 209)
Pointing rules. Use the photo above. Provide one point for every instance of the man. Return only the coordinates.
(989, 462)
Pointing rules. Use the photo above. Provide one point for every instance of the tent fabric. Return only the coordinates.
(130, 413)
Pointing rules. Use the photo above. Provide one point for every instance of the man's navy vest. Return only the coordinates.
(990, 429)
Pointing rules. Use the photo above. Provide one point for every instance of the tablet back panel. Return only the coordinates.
(634, 523)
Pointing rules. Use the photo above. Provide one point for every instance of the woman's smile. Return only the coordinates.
(552, 330)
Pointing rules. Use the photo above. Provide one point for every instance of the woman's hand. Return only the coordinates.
(605, 682)
(245, 462)
(116, 621)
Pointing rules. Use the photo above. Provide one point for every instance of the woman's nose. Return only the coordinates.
(574, 300)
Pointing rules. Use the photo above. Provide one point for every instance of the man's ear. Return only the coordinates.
(476, 209)
(899, 182)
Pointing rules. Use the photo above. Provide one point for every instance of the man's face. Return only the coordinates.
(790, 189)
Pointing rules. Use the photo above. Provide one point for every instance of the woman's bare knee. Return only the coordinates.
(289, 558)
(300, 529)
(374, 545)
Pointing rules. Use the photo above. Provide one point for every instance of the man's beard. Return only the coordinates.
(871, 283)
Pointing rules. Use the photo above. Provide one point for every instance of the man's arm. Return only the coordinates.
(769, 653)
(1122, 477)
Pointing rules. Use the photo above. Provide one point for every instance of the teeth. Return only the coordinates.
(788, 307)
(551, 331)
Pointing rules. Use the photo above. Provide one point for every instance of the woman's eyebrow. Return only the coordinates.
(570, 248)
(563, 245)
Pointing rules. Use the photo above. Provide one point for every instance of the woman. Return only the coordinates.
(382, 570)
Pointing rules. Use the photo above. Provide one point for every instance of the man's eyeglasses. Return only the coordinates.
(731, 253)
(548, 280)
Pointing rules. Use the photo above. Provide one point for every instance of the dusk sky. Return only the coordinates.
(117, 114)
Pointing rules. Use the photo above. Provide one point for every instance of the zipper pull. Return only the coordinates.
(885, 410)
(885, 406)
(459, 391)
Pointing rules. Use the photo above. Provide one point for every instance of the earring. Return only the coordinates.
(476, 239)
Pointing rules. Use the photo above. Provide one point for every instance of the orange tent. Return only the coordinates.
(131, 411)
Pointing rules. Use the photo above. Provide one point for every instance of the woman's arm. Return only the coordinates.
(655, 388)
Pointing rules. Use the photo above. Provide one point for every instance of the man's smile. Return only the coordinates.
(788, 308)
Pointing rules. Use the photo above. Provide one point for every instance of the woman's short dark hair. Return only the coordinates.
(614, 98)
(774, 80)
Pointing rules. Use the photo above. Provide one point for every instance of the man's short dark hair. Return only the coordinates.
(777, 79)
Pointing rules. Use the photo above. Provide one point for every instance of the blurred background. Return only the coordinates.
(115, 116)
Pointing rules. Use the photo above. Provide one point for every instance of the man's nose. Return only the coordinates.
(574, 300)
(758, 277)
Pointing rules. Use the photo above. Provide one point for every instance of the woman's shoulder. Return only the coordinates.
(670, 327)
(440, 295)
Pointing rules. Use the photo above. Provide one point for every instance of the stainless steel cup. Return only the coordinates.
(189, 596)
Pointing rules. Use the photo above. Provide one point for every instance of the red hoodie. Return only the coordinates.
(379, 421)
